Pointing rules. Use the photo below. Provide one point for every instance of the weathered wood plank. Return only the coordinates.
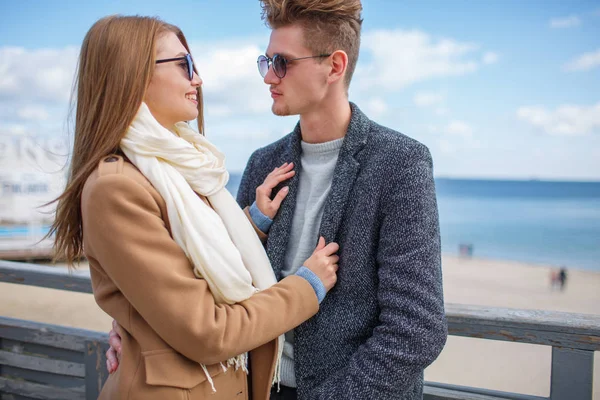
(10, 396)
(38, 391)
(34, 349)
(530, 336)
(443, 391)
(95, 368)
(45, 276)
(580, 324)
(578, 331)
(49, 335)
(43, 378)
(445, 394)
(571, 377)
(42, 364)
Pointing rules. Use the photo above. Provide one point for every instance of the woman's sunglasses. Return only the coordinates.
(279, 64)
(188, 65)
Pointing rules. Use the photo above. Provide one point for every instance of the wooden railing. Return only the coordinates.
(43, 361)
(573, 338)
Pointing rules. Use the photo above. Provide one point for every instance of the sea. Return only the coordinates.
(542, 222)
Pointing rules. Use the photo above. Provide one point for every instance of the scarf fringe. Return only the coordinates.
(237, 362)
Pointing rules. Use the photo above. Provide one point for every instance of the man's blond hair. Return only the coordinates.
(329, 25)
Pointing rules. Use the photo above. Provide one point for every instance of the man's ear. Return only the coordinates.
(339, 64)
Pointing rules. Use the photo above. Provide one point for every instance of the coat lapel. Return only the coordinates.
(344, 175)
(279, 234)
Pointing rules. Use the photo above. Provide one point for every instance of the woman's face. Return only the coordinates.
(171, 96)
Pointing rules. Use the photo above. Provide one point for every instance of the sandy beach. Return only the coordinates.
(513, 367)
(464, 361)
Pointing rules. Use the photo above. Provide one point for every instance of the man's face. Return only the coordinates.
(304, 85)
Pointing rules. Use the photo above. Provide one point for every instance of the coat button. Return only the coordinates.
(111, 159)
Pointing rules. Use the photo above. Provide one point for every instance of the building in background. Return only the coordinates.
(32, 173)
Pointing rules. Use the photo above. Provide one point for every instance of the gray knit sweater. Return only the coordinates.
(317, 163)
(383, 323)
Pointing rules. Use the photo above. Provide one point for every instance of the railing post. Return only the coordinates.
(571, 377)
(95, 368)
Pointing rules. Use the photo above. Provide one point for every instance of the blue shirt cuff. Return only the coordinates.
(260, 220)
(314, 281)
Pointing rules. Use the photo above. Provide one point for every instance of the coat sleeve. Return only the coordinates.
(124, 232)
(412, 326)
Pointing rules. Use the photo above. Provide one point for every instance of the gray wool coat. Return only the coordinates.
(384, 321)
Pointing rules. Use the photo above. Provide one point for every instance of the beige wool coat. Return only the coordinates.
(171, 323)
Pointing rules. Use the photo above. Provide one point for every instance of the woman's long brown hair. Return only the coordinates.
(115, 67)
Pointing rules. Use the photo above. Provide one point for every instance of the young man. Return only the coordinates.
(364, 186)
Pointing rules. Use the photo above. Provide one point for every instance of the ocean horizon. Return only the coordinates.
(534, 221)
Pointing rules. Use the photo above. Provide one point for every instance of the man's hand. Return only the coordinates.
(113, 354)
(263, 193)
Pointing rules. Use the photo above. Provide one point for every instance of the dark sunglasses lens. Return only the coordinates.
(279, 65)
(263, 65)
(190, 66)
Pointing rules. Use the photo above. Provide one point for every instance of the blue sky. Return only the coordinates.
(499, 89)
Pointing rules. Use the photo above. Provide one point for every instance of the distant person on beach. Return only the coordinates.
(562, 278)
(558, 278)
(465, 250)
(173, 258)
(354, 182)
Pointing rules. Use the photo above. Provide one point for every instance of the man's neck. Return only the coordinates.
(329, 122)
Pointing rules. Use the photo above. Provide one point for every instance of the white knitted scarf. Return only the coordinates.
(220, 242)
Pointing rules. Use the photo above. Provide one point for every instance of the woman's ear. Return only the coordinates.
(339, 64)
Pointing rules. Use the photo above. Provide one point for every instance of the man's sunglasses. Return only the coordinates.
(279, 63)
(188, 65)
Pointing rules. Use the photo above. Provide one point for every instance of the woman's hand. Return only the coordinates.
(113, 354)
(324, 263)
(263, 193)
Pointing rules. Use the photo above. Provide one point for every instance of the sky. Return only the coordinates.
(504, 89)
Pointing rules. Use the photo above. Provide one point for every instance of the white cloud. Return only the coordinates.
(35, 86)
(376, 107)
(449, 145)
(231, 82)
(585, 62)
(566, 22)
(432, 99)
(490, 57)
(217, 110)
(454, 128)
(432, 128)
(446, 146)
(459, 128)
(428, 99)
(566, 120)
(41, 74)
(441, 111)
(33, 113)
(13, 129)
(399, 58)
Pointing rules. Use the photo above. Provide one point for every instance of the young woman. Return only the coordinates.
(172, 257)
